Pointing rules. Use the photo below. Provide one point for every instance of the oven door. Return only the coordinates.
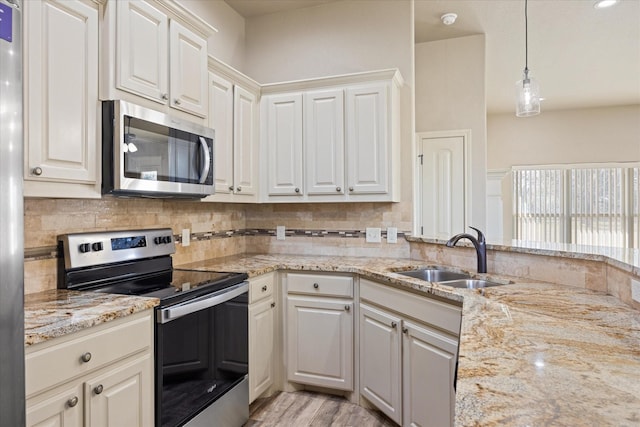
(202, 360)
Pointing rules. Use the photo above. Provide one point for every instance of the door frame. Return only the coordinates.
(465, 134)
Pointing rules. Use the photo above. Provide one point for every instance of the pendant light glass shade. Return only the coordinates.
(527, 96)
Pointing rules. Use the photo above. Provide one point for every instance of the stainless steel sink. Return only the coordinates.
(434, 274)
(470, 283)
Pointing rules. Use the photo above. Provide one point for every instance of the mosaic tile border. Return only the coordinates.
(51, 252)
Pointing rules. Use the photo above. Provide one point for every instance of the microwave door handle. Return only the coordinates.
(207, 160)
(172, 313)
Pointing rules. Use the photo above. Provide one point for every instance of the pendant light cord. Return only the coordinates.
(526, 40)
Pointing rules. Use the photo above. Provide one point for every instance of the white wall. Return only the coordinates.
(450, 95)
(228, 44)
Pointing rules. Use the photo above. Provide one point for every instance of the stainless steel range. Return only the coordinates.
(201, 331)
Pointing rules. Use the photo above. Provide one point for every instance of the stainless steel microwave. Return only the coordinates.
(151, 154)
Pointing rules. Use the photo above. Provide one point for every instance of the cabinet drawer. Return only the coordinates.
(261, 287)
(60, 360)
(320, 284)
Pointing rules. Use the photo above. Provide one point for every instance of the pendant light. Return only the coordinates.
(527, 89)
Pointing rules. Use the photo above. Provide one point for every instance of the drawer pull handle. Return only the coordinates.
(394, 325)
(316, 286)
(405, 330)
(72, 402)
(347, 308)
(86, 357)
(273, 304)
(98, 389)
(264, 288)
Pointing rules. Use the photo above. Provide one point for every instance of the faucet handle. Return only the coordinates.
(480, 235)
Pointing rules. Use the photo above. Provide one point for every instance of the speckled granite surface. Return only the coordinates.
(531, 354)
(55, 313)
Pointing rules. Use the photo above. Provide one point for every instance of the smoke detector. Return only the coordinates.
(449, 18)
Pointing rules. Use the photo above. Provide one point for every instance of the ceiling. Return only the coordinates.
(581, 56)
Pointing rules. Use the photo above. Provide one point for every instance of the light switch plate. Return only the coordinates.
(392, 235)
(373, 235)
(186, 237)
(635, 290)
(280, 235)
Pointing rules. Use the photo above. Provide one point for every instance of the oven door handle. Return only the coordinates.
(207, 161)
(171, 313)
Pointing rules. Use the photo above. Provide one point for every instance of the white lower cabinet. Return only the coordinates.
(319, 340)
(408, 351)
(101, 376)
(262, 334)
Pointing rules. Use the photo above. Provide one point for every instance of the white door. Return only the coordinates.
(261, 347)
(320, 342)
(142, 50)
(443, 189)
(324, 141)
(122, 396)
(188, 65)
(368, 139)
(429, 365)
(221, 120)
(245, 142)
(62, 409)
(62, 98)
(380, 362)
(284, 144)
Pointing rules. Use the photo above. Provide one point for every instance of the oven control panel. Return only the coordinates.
(96, 248)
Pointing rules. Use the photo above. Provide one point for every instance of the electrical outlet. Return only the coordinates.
(280, 232)
(373, 235)
(635, 290)
(186, 237)
(392, 235)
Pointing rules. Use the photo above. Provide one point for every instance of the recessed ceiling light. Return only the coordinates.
(449, 18)
(601, 4)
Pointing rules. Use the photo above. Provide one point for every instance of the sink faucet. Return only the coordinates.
(480, 245)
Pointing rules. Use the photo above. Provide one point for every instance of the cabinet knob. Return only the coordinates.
(316, 286)
(98, 389)
(72, 402)
(37, 171)
(239, 189)
(231, 188)
(338, 189)
(297, 190)
(350, 188)
(347, 308)
(273, 304)
(394, 325)
(264, 288)
(405, 330)
(165, 96)
(86, 357)
(177, 101)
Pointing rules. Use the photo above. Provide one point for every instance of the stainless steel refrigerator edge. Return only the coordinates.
(12, 399)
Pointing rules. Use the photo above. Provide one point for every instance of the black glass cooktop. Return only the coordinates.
(175, 285)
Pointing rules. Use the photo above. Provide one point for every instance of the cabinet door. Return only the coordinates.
(121, 397)
(261, 347)
(188, 76)
(320, 342)
(221, 120)
(142, 50)
(324, 142)
(62, 91)
(245, 142)
(63, 408)
(429, 364)
(284, 144)
(380, 362)
(368, 139)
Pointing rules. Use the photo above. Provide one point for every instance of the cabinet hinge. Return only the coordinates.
(421, 157)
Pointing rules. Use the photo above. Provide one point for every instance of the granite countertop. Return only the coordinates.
(531, 353)
(54, 313)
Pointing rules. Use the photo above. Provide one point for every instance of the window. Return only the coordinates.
(594, 204)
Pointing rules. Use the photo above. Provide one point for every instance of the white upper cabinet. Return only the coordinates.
(221, 120)
(245, 148)
(157, 51)
(335, 139)
(61, 99)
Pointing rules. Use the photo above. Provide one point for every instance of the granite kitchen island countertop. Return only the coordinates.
(531, 353)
